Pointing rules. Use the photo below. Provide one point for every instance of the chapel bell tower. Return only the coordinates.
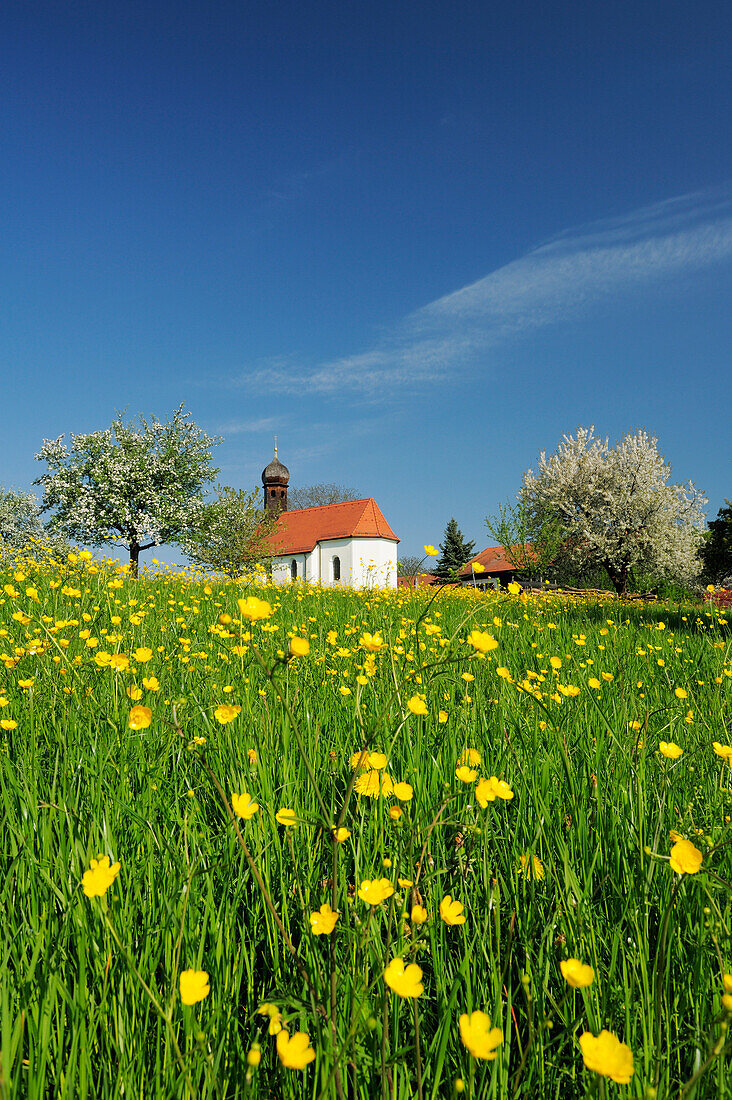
(275, 479)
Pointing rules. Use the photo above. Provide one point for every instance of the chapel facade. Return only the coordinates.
(348, 543)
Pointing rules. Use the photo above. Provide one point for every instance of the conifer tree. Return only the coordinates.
(455, 551)
(717, 550)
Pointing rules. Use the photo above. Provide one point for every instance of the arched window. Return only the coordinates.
(336, 569)
(293, 569)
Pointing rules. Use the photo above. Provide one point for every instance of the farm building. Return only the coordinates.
(497, 569)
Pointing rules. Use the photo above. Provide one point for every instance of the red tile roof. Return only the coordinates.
(301, 529)
(493, 559)
(419, 580)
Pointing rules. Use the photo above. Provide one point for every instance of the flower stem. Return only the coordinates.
(264, 891)
(417, 1054)
(153, 1000)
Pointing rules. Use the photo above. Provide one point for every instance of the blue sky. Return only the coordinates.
(418, 242)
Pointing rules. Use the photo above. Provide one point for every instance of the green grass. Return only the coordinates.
(89, 1001)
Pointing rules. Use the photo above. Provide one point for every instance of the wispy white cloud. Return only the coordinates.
(606, 258)
(251, 427)
(554, 282)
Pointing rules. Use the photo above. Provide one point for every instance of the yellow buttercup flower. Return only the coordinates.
(372, 642)
(418, 914)
(430, 551)
(403, 791)
(451, 911)
(479, 1037)
(360, 759)
(140, 718)
(323, 922)
(514, 588)
(576, 973)
(374, 891)
(226, 712)
(442, 717)
(488, 790)
(275, 1017)
(100, 877)
(377, 760)
(531, 867)
(471, 757)
(243, 805)
(417, 705)
(727, 995)
(482, 641)
(724, 751)
(680, 693)
(606, 1055)
(341, 835)
(405, 981)
(374, 784)
(286, 817)
(685, 858)
(142, 655)
(466, 774)
(253, 609)
(294, 1051)
(299, 647)
(194, 986)
(669, 749)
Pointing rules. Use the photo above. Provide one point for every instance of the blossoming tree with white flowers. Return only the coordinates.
(21, 529)
(617, 508)
(136, 484)
(19, 519)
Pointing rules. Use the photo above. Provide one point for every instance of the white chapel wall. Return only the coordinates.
(374, 563)
(364, 563)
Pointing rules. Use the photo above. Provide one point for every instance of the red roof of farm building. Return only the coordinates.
(493, 559)
(418, 580)
(301, 529)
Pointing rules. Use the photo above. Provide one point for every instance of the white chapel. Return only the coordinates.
(349, 543)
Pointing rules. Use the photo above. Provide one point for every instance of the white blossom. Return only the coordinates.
(618, 508)
(21, 529)
(132, 485)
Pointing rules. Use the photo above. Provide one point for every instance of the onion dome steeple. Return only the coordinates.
(275, 479)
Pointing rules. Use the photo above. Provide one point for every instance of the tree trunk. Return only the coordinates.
(134, 558)
(619, 577)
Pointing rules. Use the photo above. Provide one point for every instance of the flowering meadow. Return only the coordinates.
(289, 842)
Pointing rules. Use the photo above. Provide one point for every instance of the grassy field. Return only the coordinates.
(500, 751)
